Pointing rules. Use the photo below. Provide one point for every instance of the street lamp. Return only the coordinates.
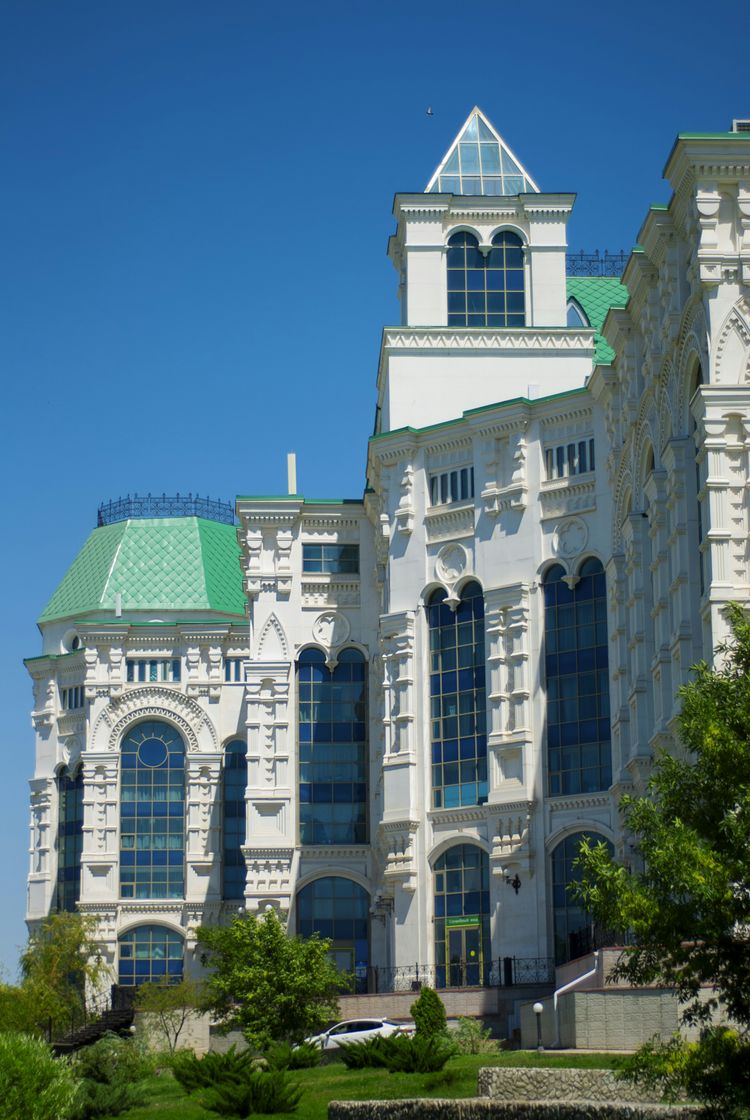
(538, 1009)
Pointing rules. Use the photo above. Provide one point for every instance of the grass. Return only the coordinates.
(334, 1082)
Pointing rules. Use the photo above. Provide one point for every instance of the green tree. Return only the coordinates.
(61, 960)
(428, 1012)
(35, 1086)
(272, 986)
(171, 1007)
(688, 910)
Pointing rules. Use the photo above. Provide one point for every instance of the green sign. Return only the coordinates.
(466, 920)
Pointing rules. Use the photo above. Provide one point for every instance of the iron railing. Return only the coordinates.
(504, 972)
(136, 506)
(596, 263)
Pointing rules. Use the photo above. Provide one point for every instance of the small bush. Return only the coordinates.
(98, 1099)
(35, 1086)
(113, 1059)
(285, 1056)
(369, 1054)
(428, 1013)
(260, 1092)
(472, 1038)
(418, 1054)
(200, 1073)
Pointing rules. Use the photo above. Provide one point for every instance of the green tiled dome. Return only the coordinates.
(596, 295)
(171, 563)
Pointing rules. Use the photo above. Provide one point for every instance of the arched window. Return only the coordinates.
(338, 909)
(152, 812)
(332, 720)
(703, 557)
(577, 677)
(575, 315)
(234, 785)
(462, 917)
(69, 838)
(573, 925)
(486, 291)
(458, 700)
(150, 954)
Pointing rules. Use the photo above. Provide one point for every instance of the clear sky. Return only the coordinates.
(195, 199)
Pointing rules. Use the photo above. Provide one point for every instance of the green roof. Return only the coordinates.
(170, 563)
(596, 295)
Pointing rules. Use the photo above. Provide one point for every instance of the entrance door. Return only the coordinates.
(464, 964)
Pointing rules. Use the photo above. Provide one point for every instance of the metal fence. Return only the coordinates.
(504, 972)
(136, 506)
(596, 264)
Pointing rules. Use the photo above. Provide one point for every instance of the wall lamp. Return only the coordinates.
(515, 882)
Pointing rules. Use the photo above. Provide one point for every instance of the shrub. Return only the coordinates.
(472, 1038)
(428, 1013)
(110, 1070)
(113, 1059)
(418, 1053)
(260, 1092)
(285, 1056)
(99, 1099)
(372, 1052)
(35, 1086)
(200, 1073)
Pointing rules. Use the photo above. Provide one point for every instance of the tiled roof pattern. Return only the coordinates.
(179, 563)
(596, 294)
(86, 577)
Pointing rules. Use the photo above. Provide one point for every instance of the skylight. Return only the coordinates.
(480, 162)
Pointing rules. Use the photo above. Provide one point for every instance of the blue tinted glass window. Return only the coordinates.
(234, 785)
(461, 885)
(152, 812)
(485, 291)
(150, 955)
(572, 924)
(577, 678)
(458, 699)
(331, 559)
(69, 838)
(339, 909)
(332, 732)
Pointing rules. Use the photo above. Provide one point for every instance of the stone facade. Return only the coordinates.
(508, 458)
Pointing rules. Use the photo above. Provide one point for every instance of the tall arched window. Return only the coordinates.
(332, 748)
(462, 917)
(703, 557)
(572, 924)
(234, 785)
(69, 838)
(152, 812)
(338, 909)
(577, 677)
(150, 955)
(458, 700)
(486, 290)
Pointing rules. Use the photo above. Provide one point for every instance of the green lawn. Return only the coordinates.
(335, 1082)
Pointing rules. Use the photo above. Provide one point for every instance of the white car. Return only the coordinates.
(358, 1030)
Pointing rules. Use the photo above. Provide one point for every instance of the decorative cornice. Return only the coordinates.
(462, 815)
(580, 801)
(495, 340)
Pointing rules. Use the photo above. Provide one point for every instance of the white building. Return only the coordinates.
(444, 683)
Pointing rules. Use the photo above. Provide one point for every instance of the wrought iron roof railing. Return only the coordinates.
(596, 263)
(136, 506)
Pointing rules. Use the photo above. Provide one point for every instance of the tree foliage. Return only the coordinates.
(171, 1006)
(61, 960)
(272, 986)
(688, 910)
(35, 1086)
(428, 1012)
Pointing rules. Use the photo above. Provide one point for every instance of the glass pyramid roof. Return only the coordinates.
(480, 162)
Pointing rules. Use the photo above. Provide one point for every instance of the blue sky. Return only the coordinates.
(195, 202)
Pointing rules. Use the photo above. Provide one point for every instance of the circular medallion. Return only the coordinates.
(451, 562)
(152, 752)
(331, 629)
(570, 538)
